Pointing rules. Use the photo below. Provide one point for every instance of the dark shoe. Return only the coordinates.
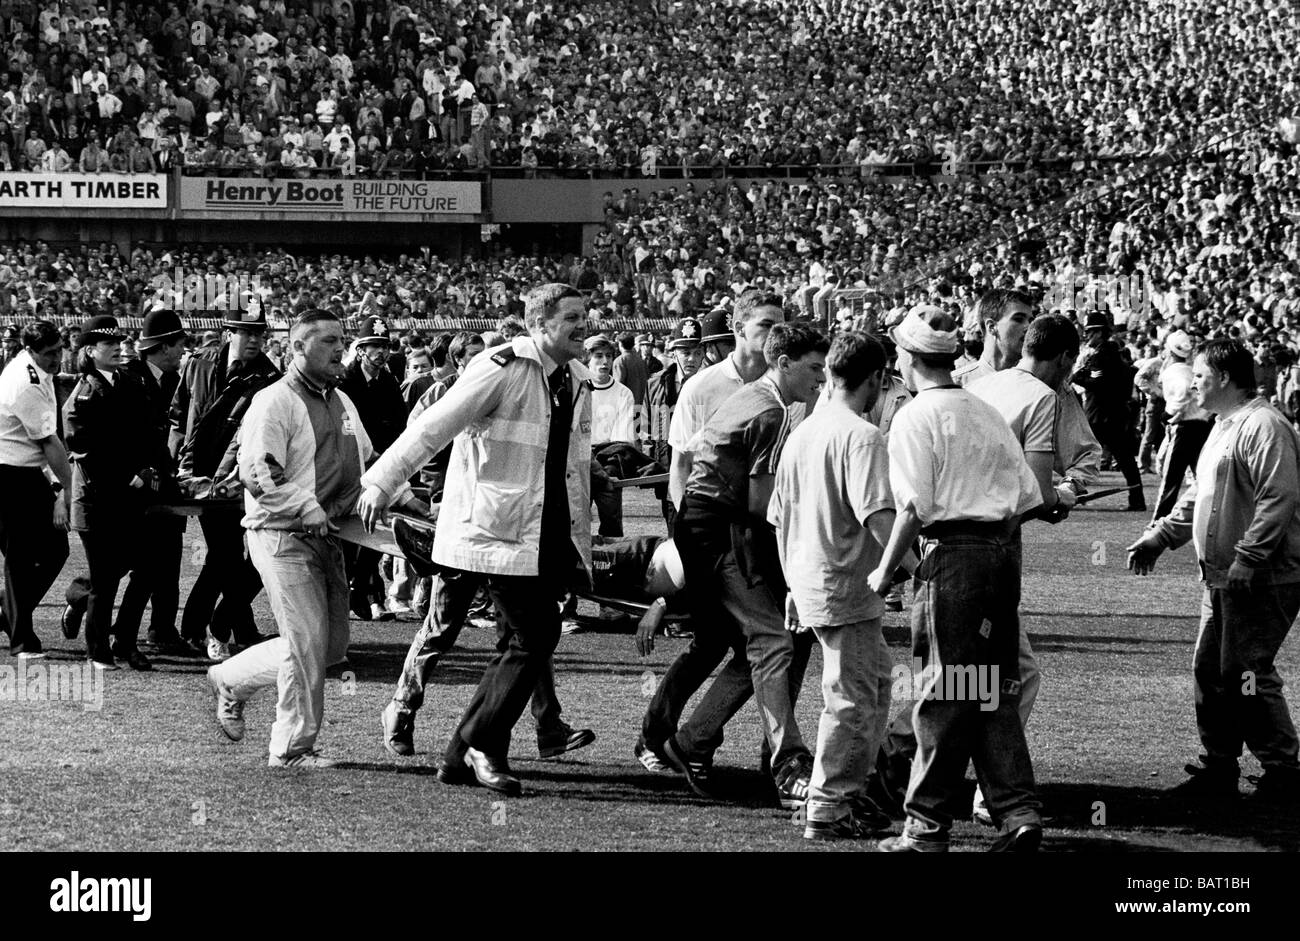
(1137, 506)
(866, 811)
(104, 663)
(1023, 839)
(905, 844)
(493, 773)
(71, 621)
(1208, 779)
(697, 772)
(1278, 785)
(360, 607)
(552, 746)
(848, 827)
(453, 772)
(399, 729)
(138, 661)
(174, 648)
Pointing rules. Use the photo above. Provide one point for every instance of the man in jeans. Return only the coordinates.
(833, 510)
(961, 480)
(1189, 424)
(1241, 514)
(302, 451)
(736, 591)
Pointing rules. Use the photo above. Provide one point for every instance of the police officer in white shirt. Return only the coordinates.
(33, 511)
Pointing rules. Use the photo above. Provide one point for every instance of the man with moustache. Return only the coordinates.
(517, 508)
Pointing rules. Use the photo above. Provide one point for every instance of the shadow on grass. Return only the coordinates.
(1075, 806)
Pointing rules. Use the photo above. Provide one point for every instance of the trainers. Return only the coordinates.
(1023, 839)
(230, 711)
(378, 613)
(906, 844)
(849, 827)
(32, 655)
(218, 650)
(792, 785)
(399, 729)
(697, 772)
(399, 608)
(307, 759)
(650, 761)
(1208, 780)
(570, 626)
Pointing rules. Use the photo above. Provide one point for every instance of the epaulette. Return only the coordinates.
(33, 375)
(504, 357)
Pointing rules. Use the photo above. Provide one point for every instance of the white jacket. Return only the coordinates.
(499, 415)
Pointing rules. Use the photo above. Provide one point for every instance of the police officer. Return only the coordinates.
(719, 339)
(11, 344)
(686, 356)
(378, 397)
(161, 346)
(217, 385)
(33, 510)
(1108, 383)
(519, 503)
(106, 422)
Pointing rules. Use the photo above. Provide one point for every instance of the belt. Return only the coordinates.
(945, 529)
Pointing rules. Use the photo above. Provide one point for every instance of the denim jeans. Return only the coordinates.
(964, 623)
(308, 590)
(451, 593)
(855, 691)
(1238, 691)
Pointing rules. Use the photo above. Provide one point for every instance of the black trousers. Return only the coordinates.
(34, 550)
(156, 579)
(1117, 438)
(364, 581)
(1186, 438)
(227, 574)
(110, 554)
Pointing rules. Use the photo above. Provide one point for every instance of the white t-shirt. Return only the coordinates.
(833, 476)
(613, 414)
(1026, 403)
(952, 457)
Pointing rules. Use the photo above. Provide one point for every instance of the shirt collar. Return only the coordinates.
(297, 376)
(154, 371)
(1247, 406)
(108, 375)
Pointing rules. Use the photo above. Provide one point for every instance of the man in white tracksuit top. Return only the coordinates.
(302, 450)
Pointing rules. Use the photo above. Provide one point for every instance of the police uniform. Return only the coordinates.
(157, 578)
(664, 390)
(107, 425)
(378, 401)
(211, 399)
(34, 550)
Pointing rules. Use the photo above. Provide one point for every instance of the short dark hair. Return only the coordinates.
(460, 343)
(993, 304)
(1233, 359)
(627, 340)
(1050, 336)
(751, 301)
(854, 356)
(795, 340)
(542, 302)
(39, 334)
(310, 318)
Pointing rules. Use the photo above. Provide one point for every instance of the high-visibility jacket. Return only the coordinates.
(498, 416)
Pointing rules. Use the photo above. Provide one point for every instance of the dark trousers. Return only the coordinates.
(1238, 690)
(156, 580)
(528, 629)
(1186, 438)
(608, 500)
(364, 581)
(227, 574)
(34, 550)
(451, 595)
(966, 634)
(1153, 429)
(110, 554)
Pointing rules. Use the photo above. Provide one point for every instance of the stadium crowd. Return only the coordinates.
(626, 88)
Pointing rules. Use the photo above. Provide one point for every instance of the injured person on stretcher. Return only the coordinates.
(638, 575)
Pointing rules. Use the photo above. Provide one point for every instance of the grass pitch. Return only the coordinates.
(150, 771)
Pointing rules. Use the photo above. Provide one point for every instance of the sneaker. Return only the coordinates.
(650, 761)
(32, 655)
(848, 827)
(1023, 839)
(230, 711)
(570, 626)
(399, 729)
(697, 772)
(567, 739)
(308, 759)
(792, 785)
(484, 622)
(399, 609)
(906, 844)
(106, 663)
(218, 651)
(378, 613)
